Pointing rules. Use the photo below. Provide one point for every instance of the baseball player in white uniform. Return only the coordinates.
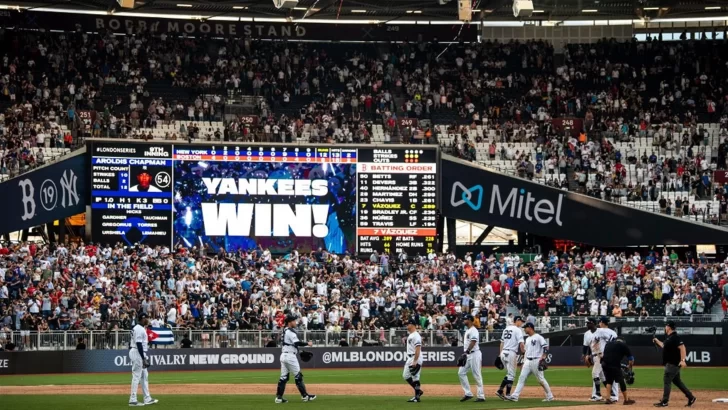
(536, 351)
(289, 362)
(473, 363)
(138, 349)
(413, 365)
(510, 347)
(599, 339)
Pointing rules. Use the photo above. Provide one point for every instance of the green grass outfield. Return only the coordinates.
(646, 377)
(222, 402)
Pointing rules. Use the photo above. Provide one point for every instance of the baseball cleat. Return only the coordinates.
(310, 397)
(135, 404)
(691, 401)
(480, 400)
(281, 400)
(413, 400)
(660, 404)
(596, 398)
(466, 398)
(501, 395)
(610, 401)
(629, 402)
(511, 398)
(150, 402)
(548, 399)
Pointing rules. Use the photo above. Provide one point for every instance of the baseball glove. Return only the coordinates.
(146, 363)
(588, 361)
(498, 363)
(462, 360)
(306, 355)
(542, 365)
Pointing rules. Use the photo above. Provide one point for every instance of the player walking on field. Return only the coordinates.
(413, 365)
(139, 363)
(601, 336)
(473, 361)
(289, 362)
(534, 363)
(510, 347)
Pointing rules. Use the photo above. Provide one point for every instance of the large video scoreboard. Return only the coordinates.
(281, 197)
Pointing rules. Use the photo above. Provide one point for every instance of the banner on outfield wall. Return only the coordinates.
(240, 29)
(475, 194)
(46, 194)
(103, 361)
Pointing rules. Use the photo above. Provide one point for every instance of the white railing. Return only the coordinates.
(120, 339)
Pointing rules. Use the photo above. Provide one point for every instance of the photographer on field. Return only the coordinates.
(614, 352)
(673, 357)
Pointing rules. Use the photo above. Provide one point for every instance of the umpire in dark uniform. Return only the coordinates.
(673, 357)
(614, 352)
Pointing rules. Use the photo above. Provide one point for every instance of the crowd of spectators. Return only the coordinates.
(81, 287)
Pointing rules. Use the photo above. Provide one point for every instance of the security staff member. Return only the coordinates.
(614, 352)
(673, 357)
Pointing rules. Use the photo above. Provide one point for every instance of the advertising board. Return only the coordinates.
(101, 361)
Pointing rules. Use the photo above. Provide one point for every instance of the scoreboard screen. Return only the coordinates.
(131, 193)
(280, 197)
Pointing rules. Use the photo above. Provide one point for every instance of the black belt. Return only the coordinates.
(532, 358)
(506, 351)
(410, 355)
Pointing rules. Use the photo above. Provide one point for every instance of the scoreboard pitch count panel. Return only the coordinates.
(281, 197)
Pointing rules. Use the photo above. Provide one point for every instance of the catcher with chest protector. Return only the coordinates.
(289, 362)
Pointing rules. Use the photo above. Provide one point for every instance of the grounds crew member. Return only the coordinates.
(612, 357)
(673, 357)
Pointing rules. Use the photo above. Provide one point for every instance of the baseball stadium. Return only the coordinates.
(327, 204)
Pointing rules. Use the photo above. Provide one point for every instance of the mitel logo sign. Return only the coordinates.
(517, 203)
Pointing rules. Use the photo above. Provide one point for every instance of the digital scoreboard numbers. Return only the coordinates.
(397, 197)
(131, 193)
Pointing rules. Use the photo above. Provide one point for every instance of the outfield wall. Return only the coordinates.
(102, 361)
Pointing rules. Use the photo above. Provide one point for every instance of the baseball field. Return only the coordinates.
(337, 389)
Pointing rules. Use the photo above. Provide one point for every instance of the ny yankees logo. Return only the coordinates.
(68, 186)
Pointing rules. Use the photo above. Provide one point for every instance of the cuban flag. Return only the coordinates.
(160, 336)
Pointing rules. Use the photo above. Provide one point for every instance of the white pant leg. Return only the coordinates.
(293, 365)
(476, 364)
(284, 367)
(145, 385)
(542, 380)
(525, 372)
(463, 375)
(615, 391)
(510, 361)
(137, 365)
(406, 372)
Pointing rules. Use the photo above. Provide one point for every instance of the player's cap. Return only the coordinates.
(468, 316)
(291, 318)
(517, 319)
(671, 324)
(604, 320)
(592, 321)
(142, 316)
(412, 321)
(529, 324)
